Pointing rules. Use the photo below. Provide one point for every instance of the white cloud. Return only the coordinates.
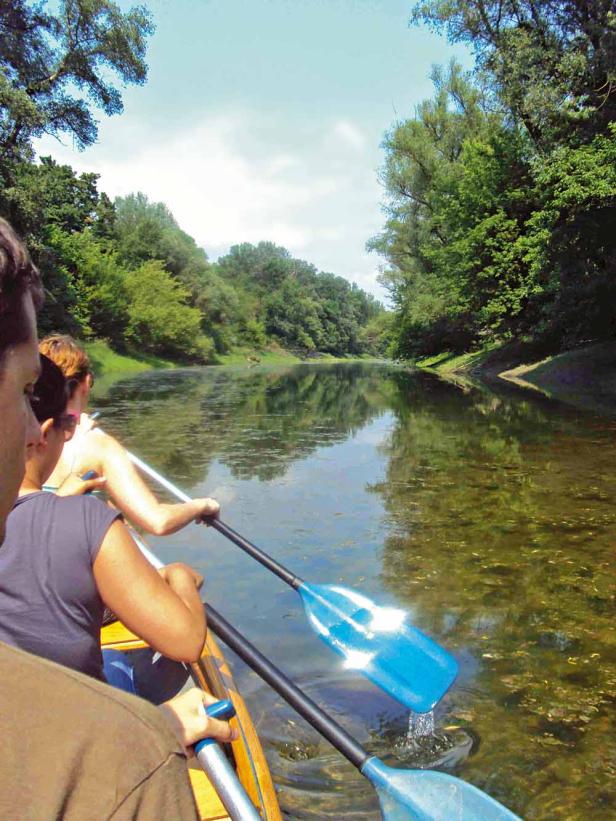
(349, 134)
(237, 177)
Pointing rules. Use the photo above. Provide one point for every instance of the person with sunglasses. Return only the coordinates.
(65, 559)
(93, 450)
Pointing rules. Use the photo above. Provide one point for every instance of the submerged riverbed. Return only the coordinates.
(490, 517)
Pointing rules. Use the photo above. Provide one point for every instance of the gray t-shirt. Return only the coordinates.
(49, 602)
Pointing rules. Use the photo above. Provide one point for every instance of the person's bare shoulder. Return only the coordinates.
(95, 448)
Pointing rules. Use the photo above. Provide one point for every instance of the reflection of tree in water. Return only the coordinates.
(255, 422)
(503, 525)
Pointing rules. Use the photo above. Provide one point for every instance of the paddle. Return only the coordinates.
(423, 795)
(376, 641)
(220, 772)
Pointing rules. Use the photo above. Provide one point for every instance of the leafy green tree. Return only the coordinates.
(97, 280)
(46, 193)
(571, 241)
(378, 333)
(438, 189)
(552, 63)
(146, 230)
(54, 66)
(293, 317)
(159, 317)
(501, 189)
(41, 200)
(301, 307)
(250, 265)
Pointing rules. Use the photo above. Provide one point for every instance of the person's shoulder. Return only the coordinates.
(99, 442)
(84, 704)
(82, 504)
(83, 749)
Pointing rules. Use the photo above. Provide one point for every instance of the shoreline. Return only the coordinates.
(583, 377)
(108, 364)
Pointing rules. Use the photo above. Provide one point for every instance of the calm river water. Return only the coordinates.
(490, 517)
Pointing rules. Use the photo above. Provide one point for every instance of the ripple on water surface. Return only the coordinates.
(314, 780)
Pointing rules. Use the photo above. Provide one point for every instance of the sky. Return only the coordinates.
(264, 119)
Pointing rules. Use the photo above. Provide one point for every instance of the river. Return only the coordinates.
(489, 516)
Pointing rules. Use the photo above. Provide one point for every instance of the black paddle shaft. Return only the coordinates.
(290, 692)
(256, 552)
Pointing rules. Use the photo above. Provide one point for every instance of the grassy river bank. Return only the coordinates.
(584, 377)
(107, 363)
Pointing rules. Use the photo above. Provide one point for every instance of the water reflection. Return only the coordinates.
(503, 537)
(256, 422)
(490, 517)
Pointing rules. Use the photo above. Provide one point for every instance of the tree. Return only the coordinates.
(46, 201)
(256, 265)
(552, 62)
(46, 194)
(53, 67)
(436, 194)
(159, 317)
(97, 279)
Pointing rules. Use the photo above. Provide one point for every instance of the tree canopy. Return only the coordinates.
(501, 189)
(55, 67)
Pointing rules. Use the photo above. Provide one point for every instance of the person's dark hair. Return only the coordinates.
(18, 276)
(50, 391)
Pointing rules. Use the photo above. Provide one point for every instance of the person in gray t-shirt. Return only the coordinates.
(65, 558)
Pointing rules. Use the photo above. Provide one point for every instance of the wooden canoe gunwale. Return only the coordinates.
(213, 675)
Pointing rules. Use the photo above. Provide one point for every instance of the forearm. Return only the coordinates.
(166, 519)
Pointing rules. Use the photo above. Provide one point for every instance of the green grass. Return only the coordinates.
(584, 377)
(447, 362)
(105, 361)
(250, 356)
(274, 355)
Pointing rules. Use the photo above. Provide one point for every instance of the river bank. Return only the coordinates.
(107, 363)
(584, 377)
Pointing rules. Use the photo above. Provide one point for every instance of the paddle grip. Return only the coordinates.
(256, 553)
(220, 709)
(89, 474)
(305, 706)
(220, 772)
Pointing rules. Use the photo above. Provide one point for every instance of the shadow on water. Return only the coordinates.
(489, 515)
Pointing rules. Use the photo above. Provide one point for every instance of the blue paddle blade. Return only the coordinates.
(379, 642)
(425, 795)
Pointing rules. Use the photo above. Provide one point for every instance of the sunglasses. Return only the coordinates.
(67, 423)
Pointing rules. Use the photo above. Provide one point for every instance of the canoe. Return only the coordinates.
(247, 754)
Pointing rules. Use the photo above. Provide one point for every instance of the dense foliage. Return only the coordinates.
(501, 190)
(124, 270)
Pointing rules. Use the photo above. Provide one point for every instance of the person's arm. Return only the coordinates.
(163, 608)
(129, 492)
